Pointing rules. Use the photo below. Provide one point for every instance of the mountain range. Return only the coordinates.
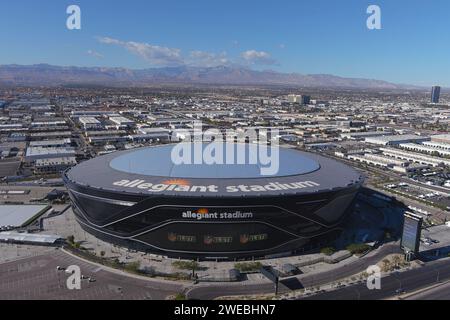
(49, 75)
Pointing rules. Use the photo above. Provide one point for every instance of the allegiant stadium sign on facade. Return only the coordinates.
(204, 214)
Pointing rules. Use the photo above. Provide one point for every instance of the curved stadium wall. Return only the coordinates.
(203, 215)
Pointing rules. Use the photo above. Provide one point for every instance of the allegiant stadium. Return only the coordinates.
(144, 200)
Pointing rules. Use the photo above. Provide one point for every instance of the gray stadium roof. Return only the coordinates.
(153, 165)
(157, 162)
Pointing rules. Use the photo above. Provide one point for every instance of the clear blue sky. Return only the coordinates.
(308, 36)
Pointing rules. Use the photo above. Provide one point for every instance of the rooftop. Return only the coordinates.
(28, 238)
(19, 215)
(134, 171)
(157, 162)
(36, 151)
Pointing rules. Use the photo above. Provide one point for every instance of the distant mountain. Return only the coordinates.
(48, 75)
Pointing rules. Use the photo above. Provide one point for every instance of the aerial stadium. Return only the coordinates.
(142, 200)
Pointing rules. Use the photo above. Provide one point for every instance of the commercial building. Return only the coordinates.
(415, 157)
(393, 140)
(435, 94)
(437, 145)
(147, 134)
(122, 122)
(359, 136)
(51, 143)
(16, 216)
(28, 238)
(36, 153)
(47, 124)
(39, 136)
(424, 149)
(300, 99)
(90, 123)
(379, 160)
(55, 165)
(101, 140)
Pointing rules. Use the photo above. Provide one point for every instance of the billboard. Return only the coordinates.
(412, 228)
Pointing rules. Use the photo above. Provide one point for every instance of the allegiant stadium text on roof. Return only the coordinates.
(273, 186)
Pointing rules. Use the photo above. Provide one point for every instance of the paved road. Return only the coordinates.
(441, 292)
(36, 278)
(409, 281)
(209, 292)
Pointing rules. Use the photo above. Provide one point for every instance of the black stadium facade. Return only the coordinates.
(142, 200)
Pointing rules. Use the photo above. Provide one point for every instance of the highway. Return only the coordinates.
(209, 292)
(440, 292)
(403, 282)
(36, 278)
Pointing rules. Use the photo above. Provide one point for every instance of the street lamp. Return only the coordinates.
(358, 293)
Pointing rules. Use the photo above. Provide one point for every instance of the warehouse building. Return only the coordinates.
(395, 140)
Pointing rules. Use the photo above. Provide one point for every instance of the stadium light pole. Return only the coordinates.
(358, 294)
(399, 281)
(438, 276)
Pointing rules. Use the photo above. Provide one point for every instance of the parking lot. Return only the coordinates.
(37, 278)
(421, 194)
(9, 168)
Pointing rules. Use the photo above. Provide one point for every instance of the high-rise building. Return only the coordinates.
(305, 100)
(300, 99)
(435, 94)
(294, 98)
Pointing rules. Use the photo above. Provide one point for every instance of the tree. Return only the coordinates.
(186, 265)
(133, 266)
(180, 296)
(328, 251)
(386, 265)
(397, 260)
(71, 239)
(358, 248)
(248, 266)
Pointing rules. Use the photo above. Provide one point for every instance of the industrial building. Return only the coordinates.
(425, 149)
(17, 216)
(415, 157)
(55, 165)
(36, 153)
(90, 123)
(394, 140)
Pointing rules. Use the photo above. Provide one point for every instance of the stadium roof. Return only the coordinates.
(151, 170)
(157, 162)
